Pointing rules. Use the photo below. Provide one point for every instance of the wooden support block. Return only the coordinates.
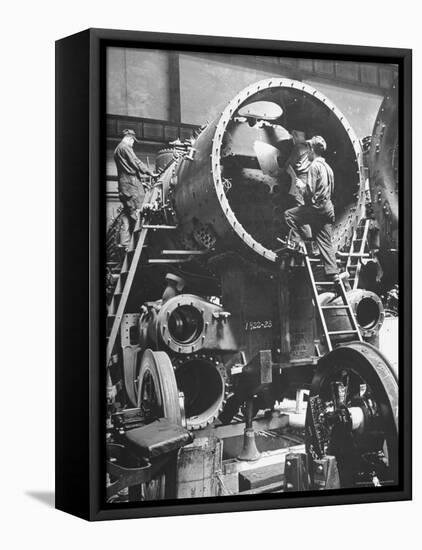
(260, 477)
(197, 467)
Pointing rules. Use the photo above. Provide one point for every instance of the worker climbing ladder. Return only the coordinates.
(129, 267)
(337, 288)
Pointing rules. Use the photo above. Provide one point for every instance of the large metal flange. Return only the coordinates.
(370, 330)
(369, 324)
(244, 96)
(209, 372)
(184, 322)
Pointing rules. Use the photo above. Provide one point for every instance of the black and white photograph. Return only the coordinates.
(211, 283)
(252, 277)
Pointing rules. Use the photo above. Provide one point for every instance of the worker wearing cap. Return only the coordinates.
(131, 192)
(318, 209)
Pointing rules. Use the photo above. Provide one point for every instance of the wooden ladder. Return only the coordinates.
(127, 273)
(336, 287)
(357, 252)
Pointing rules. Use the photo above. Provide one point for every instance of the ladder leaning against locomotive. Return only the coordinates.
(351, 261)
(172, 405)
(352, 381)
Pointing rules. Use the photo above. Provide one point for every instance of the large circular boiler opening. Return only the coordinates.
(233, 189)
(202, 384)
(264, 151)
(185, 324)
(367, 313)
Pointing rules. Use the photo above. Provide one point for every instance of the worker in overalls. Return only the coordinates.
(131, 189)
(318, 209)
(297, 168)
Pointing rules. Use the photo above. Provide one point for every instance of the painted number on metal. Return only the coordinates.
(255, 325)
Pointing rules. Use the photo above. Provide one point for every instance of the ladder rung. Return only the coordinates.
(343, 332)
(338, 261)
(168, 260)
(159, 226)
(331, 283)
(335, 307)
(183, 252)
(353, 254)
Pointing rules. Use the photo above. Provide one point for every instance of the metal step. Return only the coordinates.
(338, 332)
(168, 260)
(183, 252)
(159, 227)
(344, 306)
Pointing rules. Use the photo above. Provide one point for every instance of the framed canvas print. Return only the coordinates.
(233, 274)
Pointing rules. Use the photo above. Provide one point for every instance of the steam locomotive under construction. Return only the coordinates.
(233, 365)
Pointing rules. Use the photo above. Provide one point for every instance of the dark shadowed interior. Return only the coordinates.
(259, 197)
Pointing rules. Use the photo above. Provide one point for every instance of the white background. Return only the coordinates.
(28, 32)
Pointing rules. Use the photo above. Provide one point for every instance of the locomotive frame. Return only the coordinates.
(80, 433)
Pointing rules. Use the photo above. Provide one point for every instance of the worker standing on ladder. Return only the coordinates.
(131, 189)
(318, 209)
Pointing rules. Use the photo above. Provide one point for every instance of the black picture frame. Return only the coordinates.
(80, 229)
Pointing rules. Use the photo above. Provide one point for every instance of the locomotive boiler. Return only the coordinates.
(383, 166)
(209, 319)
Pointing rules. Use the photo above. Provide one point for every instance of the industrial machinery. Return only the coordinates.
(210, 325)
(383, 165)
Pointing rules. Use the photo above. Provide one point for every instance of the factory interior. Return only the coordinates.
(234, 436)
